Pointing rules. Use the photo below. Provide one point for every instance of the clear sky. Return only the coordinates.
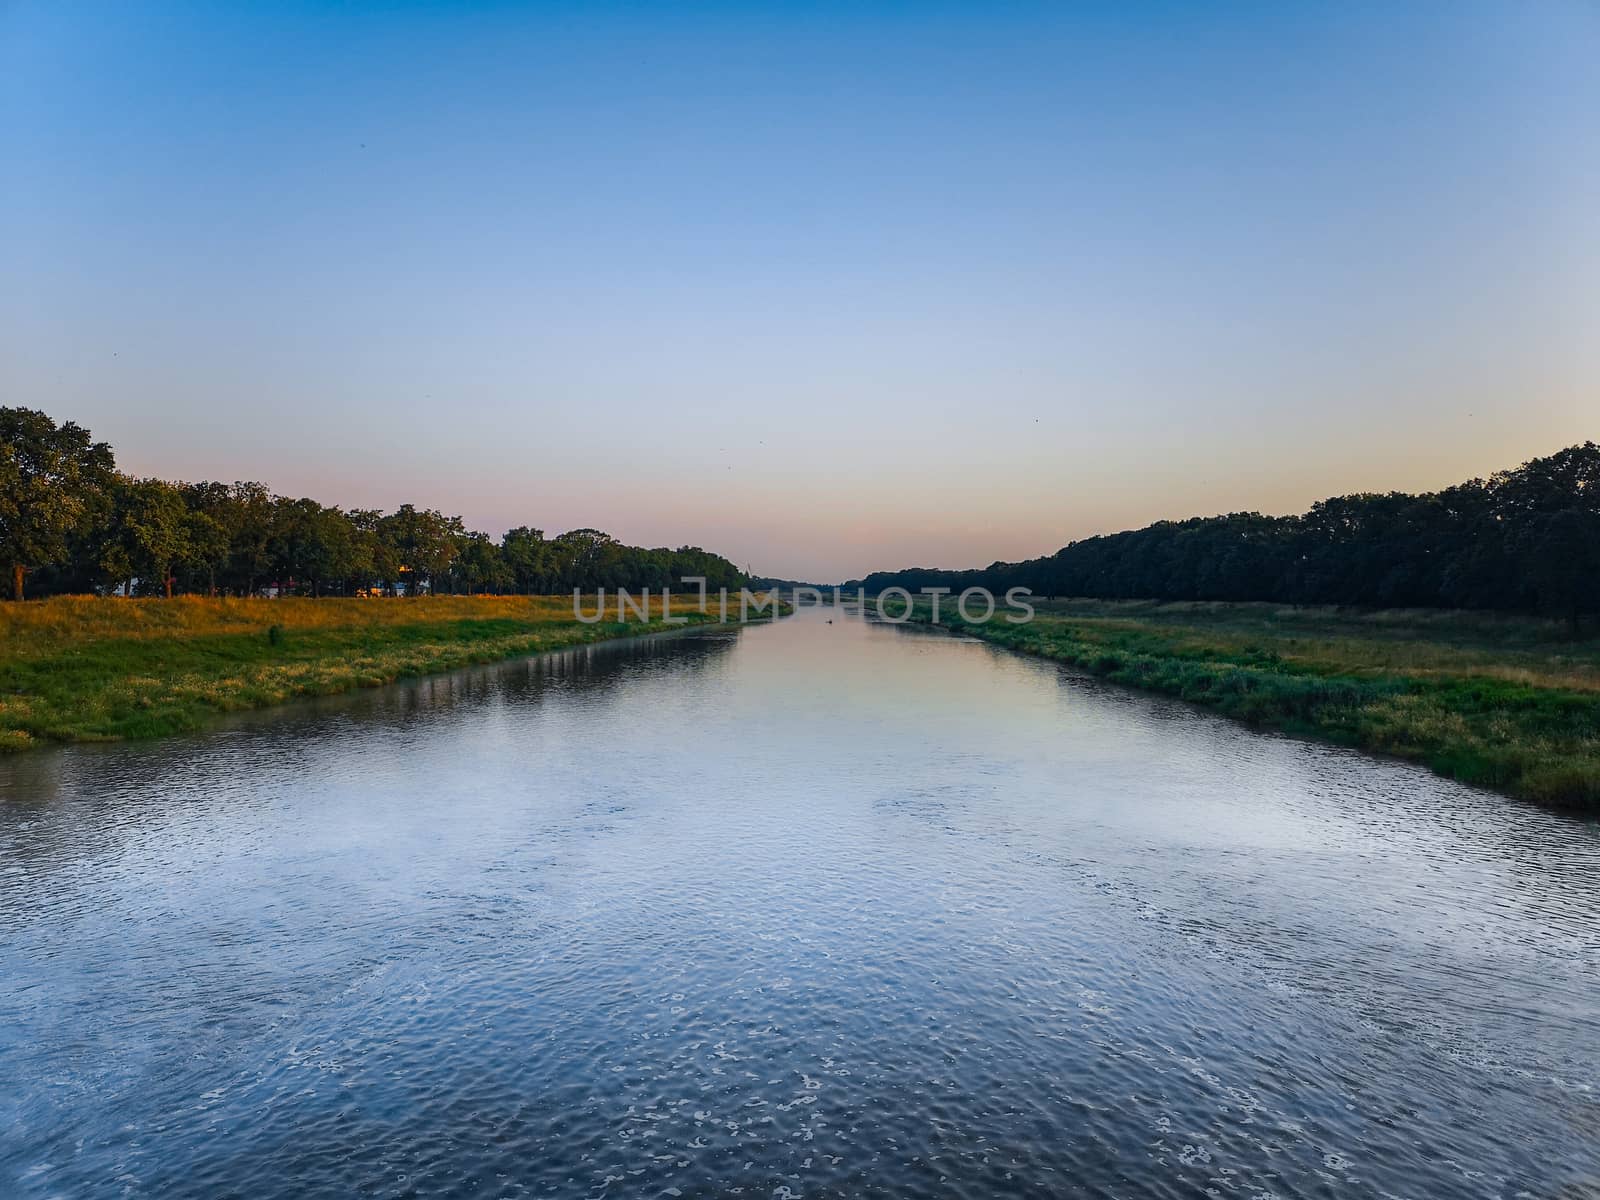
(825, 287)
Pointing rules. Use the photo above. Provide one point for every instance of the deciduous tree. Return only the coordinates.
(48, 477)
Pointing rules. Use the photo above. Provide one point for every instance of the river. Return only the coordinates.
(825, 907)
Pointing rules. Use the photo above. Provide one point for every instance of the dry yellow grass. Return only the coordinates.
(45, 625)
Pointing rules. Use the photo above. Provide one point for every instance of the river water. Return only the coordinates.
(804, 909)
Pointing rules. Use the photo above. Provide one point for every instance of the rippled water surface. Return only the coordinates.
(807, 909)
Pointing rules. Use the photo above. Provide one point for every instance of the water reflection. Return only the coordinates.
(807, 909)
(125, 784)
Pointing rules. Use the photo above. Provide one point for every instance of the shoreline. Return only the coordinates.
(1522, 720)
(80, 669)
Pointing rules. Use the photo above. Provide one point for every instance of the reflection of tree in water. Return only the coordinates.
(59, 806)
(595, 670)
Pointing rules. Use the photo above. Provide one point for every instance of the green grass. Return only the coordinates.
(1501, 702)
(90, 669)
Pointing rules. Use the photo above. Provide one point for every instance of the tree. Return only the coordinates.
(1524, 539)
(422, 541)
(314, 546)
(149, 533)
(479, 565)
(212, 521)
(250, 552)
(1561, 555)
(293, 548)
(48, 475)
(349, 550)
(528, 559)
(582, 558)
(372, 554)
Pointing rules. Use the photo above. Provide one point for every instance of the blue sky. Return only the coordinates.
(825, 287)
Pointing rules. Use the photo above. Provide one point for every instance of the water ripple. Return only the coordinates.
(805, 910)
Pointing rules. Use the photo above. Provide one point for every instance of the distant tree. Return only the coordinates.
(149, 532)
(373, 558)
(251, 534)
(1567, 479)
(422, 541)
(212, 517)
(294, 548)
(116, 558)
(583, 558)
(349, 550)
(49, 477)
(1560, 552)
(479, 566)
(529, 559)
(693, 562)
(1526, 538)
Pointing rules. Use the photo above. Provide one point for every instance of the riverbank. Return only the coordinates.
(1501, 702)
(80, 668)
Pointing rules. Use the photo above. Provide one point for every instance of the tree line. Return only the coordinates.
(1526, 539)
(71, 522)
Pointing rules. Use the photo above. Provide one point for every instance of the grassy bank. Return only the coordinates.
(91, 669)
(1503, 702)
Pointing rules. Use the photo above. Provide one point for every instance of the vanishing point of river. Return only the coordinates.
(806, 909)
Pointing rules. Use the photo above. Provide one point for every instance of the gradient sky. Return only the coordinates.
(825, 287)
